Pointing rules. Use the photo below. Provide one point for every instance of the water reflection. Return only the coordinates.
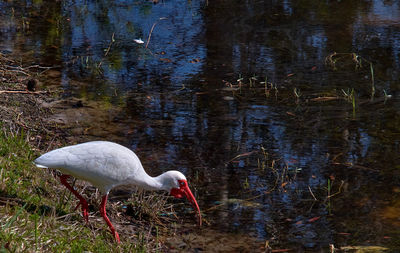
(173, 44)
(179, 116)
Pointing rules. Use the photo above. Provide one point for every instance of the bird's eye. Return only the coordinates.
(182, 183)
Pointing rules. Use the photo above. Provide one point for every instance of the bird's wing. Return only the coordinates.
(101, 163)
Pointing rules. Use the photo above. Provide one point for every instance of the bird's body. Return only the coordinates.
(107, 165)
(104, 164)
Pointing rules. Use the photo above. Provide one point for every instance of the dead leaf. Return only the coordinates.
(228, 98)
(196, 60)
(314, 219)
(165, 60)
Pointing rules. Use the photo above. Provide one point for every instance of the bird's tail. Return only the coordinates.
(40, 166)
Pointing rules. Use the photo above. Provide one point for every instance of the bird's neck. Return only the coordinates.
(148, 182)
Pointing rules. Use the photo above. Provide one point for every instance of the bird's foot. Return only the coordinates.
(116, 236)
(85, 209)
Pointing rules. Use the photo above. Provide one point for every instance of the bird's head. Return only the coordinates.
(178, 187)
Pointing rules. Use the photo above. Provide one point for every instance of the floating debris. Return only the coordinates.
(139, 41)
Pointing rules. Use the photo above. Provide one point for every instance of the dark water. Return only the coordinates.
(279, 142)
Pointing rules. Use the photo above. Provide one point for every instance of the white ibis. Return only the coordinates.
(107, 165)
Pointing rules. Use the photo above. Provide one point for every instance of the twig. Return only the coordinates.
(22, 91)
(312, 194)
(109, 46)
(241, 155)
(339, 191)
(15, 69)
(151, 31)
(11, 201)
(40, 67)
(107, 50)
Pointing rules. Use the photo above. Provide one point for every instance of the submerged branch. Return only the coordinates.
(151, 31)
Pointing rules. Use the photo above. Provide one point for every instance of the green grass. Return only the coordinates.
(15, 157)
(34, 216)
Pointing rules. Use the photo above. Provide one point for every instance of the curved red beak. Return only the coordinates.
(184, 190)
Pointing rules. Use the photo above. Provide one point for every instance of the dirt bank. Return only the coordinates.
(23, 100)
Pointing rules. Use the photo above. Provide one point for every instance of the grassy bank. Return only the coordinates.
(36, 212)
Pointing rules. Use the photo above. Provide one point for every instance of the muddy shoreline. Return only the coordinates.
(51, 120)
(25, 110)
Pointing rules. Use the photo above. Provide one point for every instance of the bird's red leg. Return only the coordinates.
(107, 220)
(82, 201)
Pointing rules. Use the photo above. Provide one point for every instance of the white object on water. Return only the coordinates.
(139, 41)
